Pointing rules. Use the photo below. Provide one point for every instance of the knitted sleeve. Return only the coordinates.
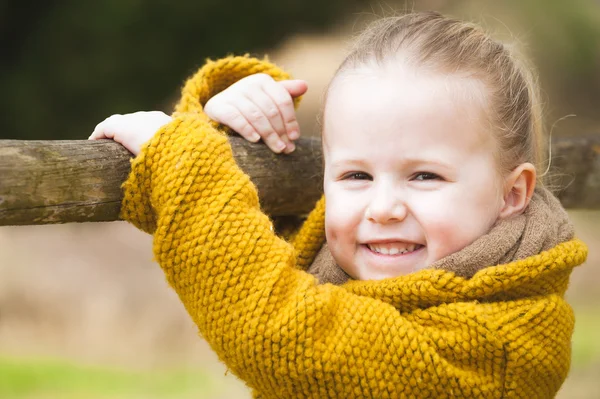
(271, 323)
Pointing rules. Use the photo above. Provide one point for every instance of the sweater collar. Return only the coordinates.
(543, 274)
(528, 255)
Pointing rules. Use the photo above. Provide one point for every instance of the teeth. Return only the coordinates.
(392, 249)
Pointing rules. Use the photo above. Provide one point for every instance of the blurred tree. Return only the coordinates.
(65, 65)
(564, 41)
(562, 38)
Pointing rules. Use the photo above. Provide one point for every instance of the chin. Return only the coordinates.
(376, 275)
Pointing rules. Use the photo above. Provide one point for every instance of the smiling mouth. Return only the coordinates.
(393, 248)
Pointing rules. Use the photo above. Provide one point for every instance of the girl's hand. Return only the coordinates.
(131, 130)
(259, 107)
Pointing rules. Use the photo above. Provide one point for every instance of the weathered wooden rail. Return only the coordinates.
(44, 182)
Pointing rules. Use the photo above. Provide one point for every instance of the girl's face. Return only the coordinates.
(410, 172)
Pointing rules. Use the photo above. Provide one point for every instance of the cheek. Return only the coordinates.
(451, 222)
(337, 224)
(341, 216)
(447, 232)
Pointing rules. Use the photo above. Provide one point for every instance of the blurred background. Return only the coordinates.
(84, 312)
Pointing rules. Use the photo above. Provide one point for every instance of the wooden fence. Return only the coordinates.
(44, 182)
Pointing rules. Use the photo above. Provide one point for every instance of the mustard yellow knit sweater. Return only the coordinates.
(505, 333)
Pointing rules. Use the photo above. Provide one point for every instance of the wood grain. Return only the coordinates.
(43, 182)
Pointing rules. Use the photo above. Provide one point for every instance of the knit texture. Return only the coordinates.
(504, 333)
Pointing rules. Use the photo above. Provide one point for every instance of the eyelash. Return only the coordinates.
(425, 176)
(357, 176)
(430, 176)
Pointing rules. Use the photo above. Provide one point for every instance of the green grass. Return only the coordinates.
(47, 378)
(586, 345)
(34, 378)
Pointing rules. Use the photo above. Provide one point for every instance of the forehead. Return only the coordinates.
(375, 109)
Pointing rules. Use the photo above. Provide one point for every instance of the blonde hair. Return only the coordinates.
(445, 45)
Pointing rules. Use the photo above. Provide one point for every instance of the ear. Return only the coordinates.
(518, 190)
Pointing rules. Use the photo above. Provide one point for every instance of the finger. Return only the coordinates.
(289, 144)
(230, 116)
(98, 132)
(279, 143)
(296, 87)
(282, 97)
(269, 108)
(260, 123)
(105, 129)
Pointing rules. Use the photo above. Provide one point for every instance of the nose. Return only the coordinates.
(386, 206)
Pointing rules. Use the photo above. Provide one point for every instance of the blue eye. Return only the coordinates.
(422, 176)
(357, 176)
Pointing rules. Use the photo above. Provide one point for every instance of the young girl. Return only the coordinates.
(436, 267)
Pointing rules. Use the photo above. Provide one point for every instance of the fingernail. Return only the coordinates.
(280, 146)
(294, 134)
(255, 137)
(290, 148)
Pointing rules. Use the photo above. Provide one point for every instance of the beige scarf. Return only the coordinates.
(542, 226)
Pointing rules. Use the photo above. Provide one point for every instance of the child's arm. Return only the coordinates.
(271, 323)
(256, 107)
(284, 334)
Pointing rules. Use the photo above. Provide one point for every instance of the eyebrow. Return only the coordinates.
(406, 162)
(415, 161)
(347, 162)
